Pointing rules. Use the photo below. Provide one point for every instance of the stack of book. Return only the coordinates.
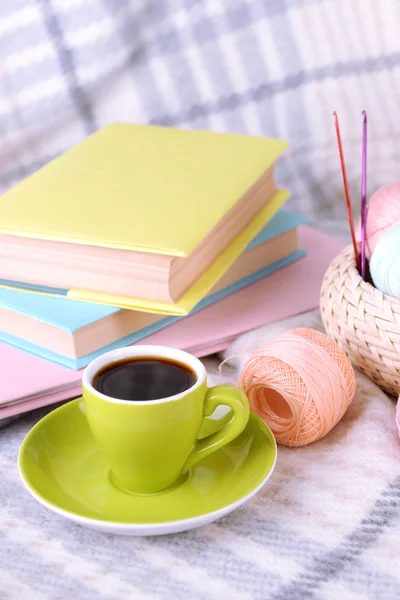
(138, 234)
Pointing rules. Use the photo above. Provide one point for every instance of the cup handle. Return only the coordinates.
(238, 402)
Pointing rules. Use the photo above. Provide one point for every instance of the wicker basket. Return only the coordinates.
(363, 321)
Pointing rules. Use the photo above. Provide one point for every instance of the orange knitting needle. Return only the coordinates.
(346, 190)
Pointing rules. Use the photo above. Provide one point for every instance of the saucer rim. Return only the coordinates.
(142, 529)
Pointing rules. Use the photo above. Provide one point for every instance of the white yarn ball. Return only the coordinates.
(385, 262)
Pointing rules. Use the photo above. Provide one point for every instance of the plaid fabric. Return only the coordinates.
(271, 67)
(326, 526)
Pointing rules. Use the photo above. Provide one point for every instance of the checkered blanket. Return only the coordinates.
(271, 67)
(326, 526)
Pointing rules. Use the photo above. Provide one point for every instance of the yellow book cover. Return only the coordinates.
(144, 188)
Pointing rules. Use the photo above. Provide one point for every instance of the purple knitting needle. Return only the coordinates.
(364, 194)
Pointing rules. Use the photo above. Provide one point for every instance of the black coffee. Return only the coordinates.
(144, 378)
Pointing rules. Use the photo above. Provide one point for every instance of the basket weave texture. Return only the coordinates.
(363, 321)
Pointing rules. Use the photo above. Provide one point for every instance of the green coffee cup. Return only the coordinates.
(151, 444)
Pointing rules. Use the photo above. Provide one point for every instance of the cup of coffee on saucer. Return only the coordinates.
(145, 406)
(145, 452)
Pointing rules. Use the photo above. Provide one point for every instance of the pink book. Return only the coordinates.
(28, 382)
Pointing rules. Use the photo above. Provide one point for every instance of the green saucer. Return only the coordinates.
(64, 469)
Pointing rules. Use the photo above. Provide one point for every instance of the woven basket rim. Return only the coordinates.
(355, 275)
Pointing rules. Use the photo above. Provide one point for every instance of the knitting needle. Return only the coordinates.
(364, 194)
(346, 190)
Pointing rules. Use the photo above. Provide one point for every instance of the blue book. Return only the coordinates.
(72, 333)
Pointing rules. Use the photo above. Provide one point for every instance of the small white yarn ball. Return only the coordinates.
(385, 262)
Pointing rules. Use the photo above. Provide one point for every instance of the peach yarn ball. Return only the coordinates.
(383, 211)
(301, 384)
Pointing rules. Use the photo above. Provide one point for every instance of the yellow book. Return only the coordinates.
(142, 217)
